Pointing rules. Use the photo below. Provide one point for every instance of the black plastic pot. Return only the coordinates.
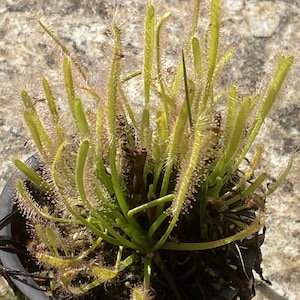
(9, 260)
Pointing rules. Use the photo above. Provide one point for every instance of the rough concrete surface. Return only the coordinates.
(258, 30)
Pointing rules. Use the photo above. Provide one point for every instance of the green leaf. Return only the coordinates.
(213, 48)
(185, 178)
(283, 67)
(32, 175)
(150, 204)
(114, 79)
(224, 164)
(159, 65)
(197, 57)
(80, 119)
(37, 130)
(53, 110)
(148, 52)
(147, 72)
(58, 262)
(80, 164)
(187, 92)
(231, 113)
(255, 226)
(104, 177)
(63, 47)
(104, 274)
(147, 271)
(33, 208)
(69, 85)
(282, 177)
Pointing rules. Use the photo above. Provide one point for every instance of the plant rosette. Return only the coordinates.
(120, 207)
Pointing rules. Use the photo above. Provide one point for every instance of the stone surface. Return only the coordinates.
(263, 18)
(258, 31)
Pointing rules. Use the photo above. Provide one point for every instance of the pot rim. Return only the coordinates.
(10, 260)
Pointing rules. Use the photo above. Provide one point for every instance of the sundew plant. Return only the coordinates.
(121, 189)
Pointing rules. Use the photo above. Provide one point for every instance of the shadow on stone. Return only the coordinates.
(268, 292)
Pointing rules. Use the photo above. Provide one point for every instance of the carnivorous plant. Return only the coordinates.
(131, 199)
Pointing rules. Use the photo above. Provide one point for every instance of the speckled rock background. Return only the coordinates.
(258, 30)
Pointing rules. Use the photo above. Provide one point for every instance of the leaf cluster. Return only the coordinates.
(132, 183)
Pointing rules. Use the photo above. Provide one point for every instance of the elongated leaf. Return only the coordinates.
(32, 175)
(283, 67)
(104, 274)
(213, 48)
(69, 85)
(187, 92)
(185, 176)
(58, 262)
(282, 177)
(197, 57)
(53, 110)
(37, 130)
(80, 119)
(150, 204)
(159, 65)
(63, 47)
(80, 173)
(148, 52)
(114, 79)
(231, 113)
(251, 229)
(224, 165)
(147, 72)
